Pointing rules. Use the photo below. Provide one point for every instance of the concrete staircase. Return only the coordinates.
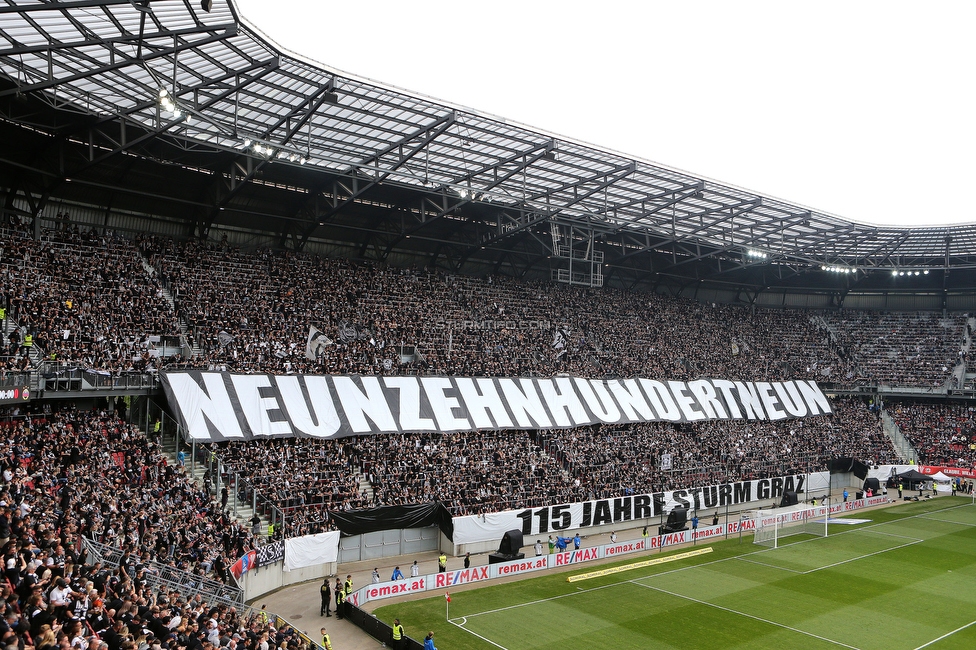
(366, 489)
(239, 510)
(36, 354)
(184, 330)
(906, 452)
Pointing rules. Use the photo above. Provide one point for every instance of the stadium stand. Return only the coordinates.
(84, 298)
(256, 317)
(72, 473)
(506, 470)
(942, 434)
(76, 293)
(898, 349)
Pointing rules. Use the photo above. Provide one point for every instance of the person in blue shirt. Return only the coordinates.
(429, 641)
(846, 494)
(561, 543)
(576, 542)
(397, 574)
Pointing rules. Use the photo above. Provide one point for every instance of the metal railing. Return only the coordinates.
(63, 376)
(190, 585)
(172, 579)
(14, 377)
(242, 493)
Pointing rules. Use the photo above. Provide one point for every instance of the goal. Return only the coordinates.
(771, 525)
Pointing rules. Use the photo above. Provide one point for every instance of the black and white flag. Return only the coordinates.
(270, 553)
(316, 343)
(348, 332)
(560, 338)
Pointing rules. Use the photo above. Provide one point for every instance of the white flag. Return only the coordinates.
(316, 343)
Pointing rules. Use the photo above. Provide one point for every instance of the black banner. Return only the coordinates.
(357, 522)
(227, 406)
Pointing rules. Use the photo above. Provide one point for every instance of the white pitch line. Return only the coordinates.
(947, 634)
(486, 640)
(948, 521)
(756, 618)
(771, 566)
(546, 600)
(915, 540)
(861, 557)
(879, 532)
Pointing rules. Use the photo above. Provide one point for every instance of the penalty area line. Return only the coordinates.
(861, 557)
(947, 634)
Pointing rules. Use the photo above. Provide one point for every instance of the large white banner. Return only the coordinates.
(310, 550)
(570, 516)
(227, 406)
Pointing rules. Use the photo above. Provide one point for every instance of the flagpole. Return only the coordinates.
(447, 606)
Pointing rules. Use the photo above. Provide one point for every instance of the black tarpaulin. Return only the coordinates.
(844, 465)
(357, 522)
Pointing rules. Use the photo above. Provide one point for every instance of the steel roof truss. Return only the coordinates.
(118, 65)
(525, 159)
(431, 132)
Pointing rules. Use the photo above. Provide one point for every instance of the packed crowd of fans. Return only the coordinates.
(502, 470)
(251, 311)
(898, 349)
(90, 298)
(71, 474)
(87, 297)
(942, 434)
(83, 298)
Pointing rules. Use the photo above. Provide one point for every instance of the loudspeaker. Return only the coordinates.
(789, 499)
(511, 542)
(206, 5)
(677, 519)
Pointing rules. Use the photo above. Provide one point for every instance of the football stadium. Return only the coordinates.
(294, 359)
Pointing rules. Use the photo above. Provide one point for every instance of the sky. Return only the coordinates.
(865, 110)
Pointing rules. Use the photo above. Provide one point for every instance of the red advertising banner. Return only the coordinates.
(961, 472)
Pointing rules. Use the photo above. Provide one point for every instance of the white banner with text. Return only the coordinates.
(620, 510)
(228, 406)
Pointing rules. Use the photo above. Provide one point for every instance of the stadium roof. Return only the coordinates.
(166, 81)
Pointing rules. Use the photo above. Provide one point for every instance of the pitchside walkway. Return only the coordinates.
(299, 604)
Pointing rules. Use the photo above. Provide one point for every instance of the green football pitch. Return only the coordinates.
(906, 579)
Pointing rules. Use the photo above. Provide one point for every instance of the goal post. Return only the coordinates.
(771, 525)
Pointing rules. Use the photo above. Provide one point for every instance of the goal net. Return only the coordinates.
(771, 525)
